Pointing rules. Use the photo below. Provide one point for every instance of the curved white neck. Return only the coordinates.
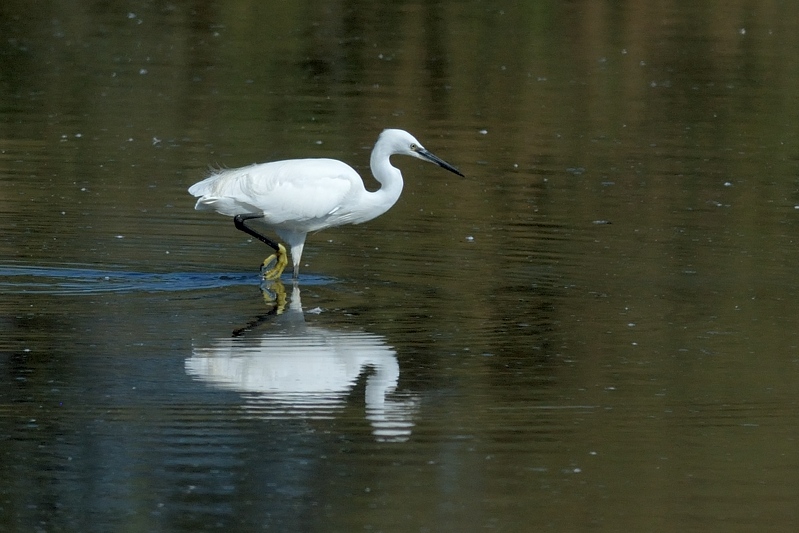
(390, 179)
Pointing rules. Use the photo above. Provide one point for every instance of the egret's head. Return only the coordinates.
(402, 142)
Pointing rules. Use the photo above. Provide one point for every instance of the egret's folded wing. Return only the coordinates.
(293, 190)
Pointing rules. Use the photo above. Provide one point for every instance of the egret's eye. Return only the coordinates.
(414, 147)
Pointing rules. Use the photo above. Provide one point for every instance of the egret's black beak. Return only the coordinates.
(438, 161)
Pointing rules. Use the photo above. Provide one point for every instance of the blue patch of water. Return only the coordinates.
(27, 279)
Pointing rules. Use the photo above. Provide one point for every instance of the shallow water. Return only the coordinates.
(594, 330)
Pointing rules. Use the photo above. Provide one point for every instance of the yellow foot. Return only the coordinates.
(280, 259)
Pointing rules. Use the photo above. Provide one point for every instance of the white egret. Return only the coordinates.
(297, 196)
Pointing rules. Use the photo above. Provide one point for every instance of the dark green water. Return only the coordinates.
(595, 330)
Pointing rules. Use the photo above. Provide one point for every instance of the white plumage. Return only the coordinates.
(297, 196)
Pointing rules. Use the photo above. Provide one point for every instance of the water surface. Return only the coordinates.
(594, 330)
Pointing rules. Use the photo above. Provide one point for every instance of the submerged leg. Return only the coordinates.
(274, 295)
(280, 257)
(275, 298)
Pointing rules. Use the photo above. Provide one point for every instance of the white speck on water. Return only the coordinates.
(469, 238)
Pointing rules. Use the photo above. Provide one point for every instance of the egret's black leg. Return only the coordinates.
(239, 222)
(280, 257)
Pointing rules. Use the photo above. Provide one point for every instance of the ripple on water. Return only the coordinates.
(75, 280)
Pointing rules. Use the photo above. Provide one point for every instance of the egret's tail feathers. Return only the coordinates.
(224, 206)
(201, 188)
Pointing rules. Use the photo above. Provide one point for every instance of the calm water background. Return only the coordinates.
(595, 330)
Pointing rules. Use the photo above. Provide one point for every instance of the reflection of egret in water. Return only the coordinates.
(298, 370)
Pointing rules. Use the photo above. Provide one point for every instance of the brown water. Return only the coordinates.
(596, 329)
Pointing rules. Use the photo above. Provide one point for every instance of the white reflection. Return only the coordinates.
(297, 370)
